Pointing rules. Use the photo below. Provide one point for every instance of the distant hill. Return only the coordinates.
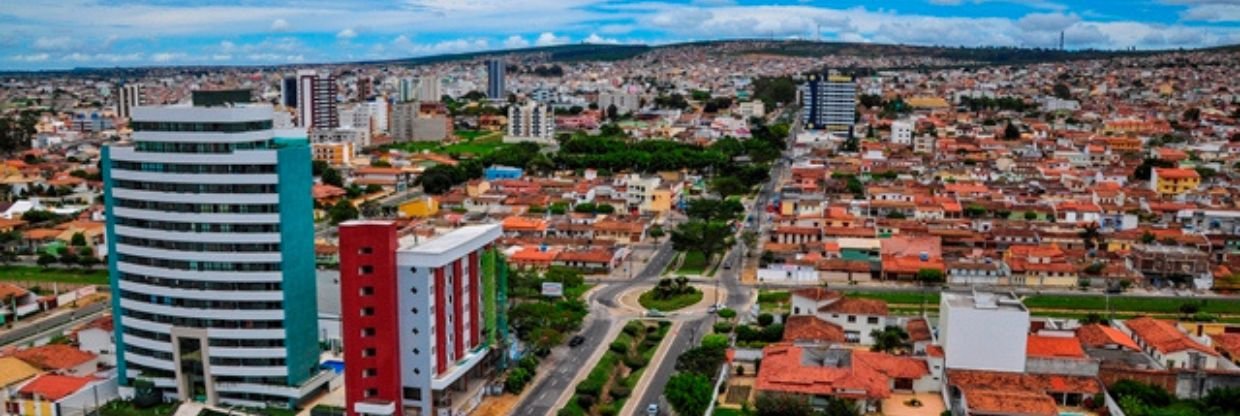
(609, 52)
(560, 53)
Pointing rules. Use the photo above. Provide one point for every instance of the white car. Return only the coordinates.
(652, 409)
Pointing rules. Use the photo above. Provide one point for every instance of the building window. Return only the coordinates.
(852, 319)
(415, 330)
(368, 352)
(417, 351)
(365, 270)
(414, 310)
(367, 291)
(417, 371)
(873, 320)
(365, 250)
(368, 332)
(370, 372)
(368, 311)
(413, 393)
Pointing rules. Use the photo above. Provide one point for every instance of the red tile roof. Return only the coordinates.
(857, 306)
(1040, 346)
(994, 392)
(55, 387)
(801, 328)
(918, 330)
(1102, 336)
(54, 356)
(1164, 336)
(1228, 343)
(864, 374)
(817, 293)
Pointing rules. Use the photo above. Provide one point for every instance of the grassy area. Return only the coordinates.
(39, 274)
(124, 408)
(729, 412)
(677, 302)
(773, 301)
(606, 389)
(471, 134)
(695, 262)
(477, 143)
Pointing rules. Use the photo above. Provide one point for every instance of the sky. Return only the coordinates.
(62, 34)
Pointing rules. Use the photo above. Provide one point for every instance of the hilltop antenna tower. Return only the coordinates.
(818, 32)
(1061, 40)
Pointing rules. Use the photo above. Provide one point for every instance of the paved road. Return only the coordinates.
(544, 395)
(691, 332)
(52, 325)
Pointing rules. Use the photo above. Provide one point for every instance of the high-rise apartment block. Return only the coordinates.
(414, 336)
(530, 122)
(316, 95)
(130, 97)
(211, 255)
(429, 89)
(495, 80)
(406, 90)
(830, 103)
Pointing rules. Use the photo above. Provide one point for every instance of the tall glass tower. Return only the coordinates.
(211, 254)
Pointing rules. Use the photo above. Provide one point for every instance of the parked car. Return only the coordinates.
(652, 409)
(655, 313)
(576, 340)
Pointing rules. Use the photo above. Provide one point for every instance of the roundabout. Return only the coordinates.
(630, 300)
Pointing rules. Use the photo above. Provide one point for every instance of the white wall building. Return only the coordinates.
(530, 122)
(983, 331)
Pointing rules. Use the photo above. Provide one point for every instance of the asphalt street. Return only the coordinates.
(542, 398)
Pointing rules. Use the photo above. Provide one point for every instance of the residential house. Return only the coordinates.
(60, 359)
(1170, 346)
(820, 373)
(62, 395)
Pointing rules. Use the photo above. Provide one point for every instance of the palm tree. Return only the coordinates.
(891, 339)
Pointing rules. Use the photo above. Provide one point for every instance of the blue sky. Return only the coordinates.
(57, 34)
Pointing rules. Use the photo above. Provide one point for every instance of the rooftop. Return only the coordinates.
(984, 300)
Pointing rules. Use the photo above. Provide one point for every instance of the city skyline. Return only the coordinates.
(41, 35)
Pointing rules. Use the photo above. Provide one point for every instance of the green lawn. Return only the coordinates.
(649, 302)
(38, 274)
(729, 412)
(773, 301)
(471, 134)
(695, 263)
(479, 147)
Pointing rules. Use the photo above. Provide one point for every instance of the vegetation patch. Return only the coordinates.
(670, 295)
(609, 384)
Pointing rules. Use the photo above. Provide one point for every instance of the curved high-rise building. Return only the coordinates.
(211, 255)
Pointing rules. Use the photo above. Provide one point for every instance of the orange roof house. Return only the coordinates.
(1042, 346)
(904, 256)
(519, 224)
(1004, 393)
(835, 372)
(57, 358)
(1163, 336)
(54, 387)
(1104, 337)
(811, 329)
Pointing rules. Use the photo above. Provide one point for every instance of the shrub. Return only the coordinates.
(620, 347)
(715, 341)
(585, 401)
(588, 388)
(765, 319)
(619, 392)
(723, 327)
(608, 410)
(727, 313)
(654, 336)
(571, 411)
(529, 363)
(516, 380)
(633, 328)
(634, 362)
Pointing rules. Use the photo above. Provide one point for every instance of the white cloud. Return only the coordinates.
(165, 57)
(549, 39)
(596, 39)
(516, 42)
(34, 57)
(53, 43)
(346, 35)
(279, 25)
(1053, 22)
(221, 57)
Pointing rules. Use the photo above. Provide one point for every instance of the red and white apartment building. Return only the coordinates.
(412, 319)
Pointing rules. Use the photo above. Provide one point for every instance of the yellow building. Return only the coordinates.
(335, 154)
(1174, 181)
(13, 372)
(420, 208)
(660, 200)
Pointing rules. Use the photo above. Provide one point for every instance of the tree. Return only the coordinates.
(688, 393)
(613, 113)
(702, 236)
(703, 360)
(1011, 132)
(341, 212)
(332, 177)
(78, 240)
(890, 339)
(930, 276)
(1189, 308)
(435, 183)
(727, 186)
(68, 257)
(782, 404)
(715, 341)
(655, 232)
(1091, 237)
(1062, 91)
(46, 260)
(1094, 318)
(317, 167)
